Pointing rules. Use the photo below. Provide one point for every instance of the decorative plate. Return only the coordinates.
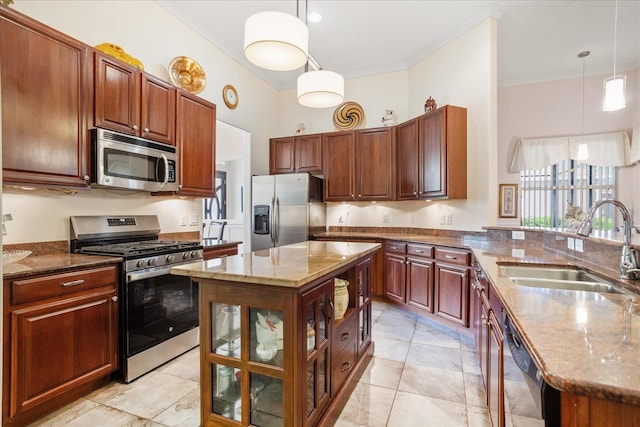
(119, 53)
(348, 115)
(187, 74)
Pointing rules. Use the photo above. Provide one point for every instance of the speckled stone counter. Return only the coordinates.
(54, 263)
(578, 339)
(288, 266)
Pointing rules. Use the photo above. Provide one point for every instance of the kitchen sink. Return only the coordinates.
(563, 278)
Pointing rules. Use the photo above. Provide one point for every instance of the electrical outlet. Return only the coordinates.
(385, 219)
(517, 253)
(571, 243)
(183, 221)
(449, 219)
(194, 219)
(579, 245)
(517, 235)
(442, 220)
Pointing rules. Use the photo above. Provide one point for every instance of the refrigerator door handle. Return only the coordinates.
(276, 220)
(272, 233)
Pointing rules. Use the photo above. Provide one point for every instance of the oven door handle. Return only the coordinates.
(149, 273)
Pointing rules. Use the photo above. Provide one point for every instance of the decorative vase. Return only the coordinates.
(430, 105)
(341, 298)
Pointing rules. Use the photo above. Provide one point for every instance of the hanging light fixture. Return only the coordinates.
(614, 87)
(276, 41)
(319, 88)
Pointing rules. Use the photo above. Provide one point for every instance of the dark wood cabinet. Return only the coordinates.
(133, 102)
(432, 155)
(374, 163)
(451, 284)
(420, 283)
(358, 165)
(295, 154)
(395, 271)
(410, 274)
(46, 83)
(60, 337)
(196, 143)
(339, 150)
(219, 252)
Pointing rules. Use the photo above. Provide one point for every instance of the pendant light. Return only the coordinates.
(276, 41)
(319, 88)
(614, 87)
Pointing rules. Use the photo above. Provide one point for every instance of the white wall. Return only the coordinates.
(554, 108)
(148, 32)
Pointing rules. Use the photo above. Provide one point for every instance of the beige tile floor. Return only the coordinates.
(422, 374)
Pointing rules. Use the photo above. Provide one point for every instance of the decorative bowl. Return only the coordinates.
(266, 352)
(187, 74)
(14, 255)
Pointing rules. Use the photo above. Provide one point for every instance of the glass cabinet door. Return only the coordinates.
(225, 329)
(266, 329)
(364, 305)
(227, 391)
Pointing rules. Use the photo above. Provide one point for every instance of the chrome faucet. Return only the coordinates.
(629, 267)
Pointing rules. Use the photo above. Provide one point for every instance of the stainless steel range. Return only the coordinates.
(158, 311)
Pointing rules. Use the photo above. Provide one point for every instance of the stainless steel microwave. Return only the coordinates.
(125, 161)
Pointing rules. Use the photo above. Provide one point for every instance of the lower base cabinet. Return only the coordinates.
(277, 355)
(60, 340)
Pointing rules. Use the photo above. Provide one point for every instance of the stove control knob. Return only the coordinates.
(170, 258)
(194, 254)
(185, 255)
(151, 262)
(140, 263)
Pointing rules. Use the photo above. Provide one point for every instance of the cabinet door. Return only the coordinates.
(407, 160)
(433, 154)
(375, 166)
(481, 322)
(308, 152)
(395, 277)
(60, 345)
(339, 166)
(158, 110)
(452, 293)
(196, 142)
(318, 306)
(420, 283)
(46, 82)
(117, 92)
(282, 155)
(495, 365)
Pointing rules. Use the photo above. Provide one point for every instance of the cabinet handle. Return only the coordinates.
(418, 251)
(485, 320)
(114, 298)
(345, 336)
(415, 193)
(394, 248)
(345, 367)
(450, 257)
(86, 177)
(134, 127)
(330, 314)
(73, 283)
(146, 130)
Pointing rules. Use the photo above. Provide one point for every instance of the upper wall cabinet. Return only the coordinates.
(196, 142)
(133, 102)
(46, 81)
(295, 154)
(439, 170)
(358, 165)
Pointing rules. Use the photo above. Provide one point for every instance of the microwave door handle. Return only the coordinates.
(166, 170)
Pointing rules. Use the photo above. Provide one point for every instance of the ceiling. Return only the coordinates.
(537, 40)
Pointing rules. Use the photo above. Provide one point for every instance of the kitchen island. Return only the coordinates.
(278, 344)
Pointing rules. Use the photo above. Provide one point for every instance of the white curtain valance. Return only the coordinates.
(635, 145)
(607, 149)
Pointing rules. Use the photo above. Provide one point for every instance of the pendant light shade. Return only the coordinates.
(614, 89)
(320, 89)
(276, 41)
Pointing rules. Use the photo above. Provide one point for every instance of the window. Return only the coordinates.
(548, 193)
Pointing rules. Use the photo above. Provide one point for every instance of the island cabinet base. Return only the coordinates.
(273, 355)
(584, 411)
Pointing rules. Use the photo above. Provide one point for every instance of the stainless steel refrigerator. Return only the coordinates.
(285, 209)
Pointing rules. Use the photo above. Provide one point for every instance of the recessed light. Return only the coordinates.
(314, 17)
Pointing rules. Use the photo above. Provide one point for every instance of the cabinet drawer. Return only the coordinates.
(343, 365)
(395, 248)
(345, 334)
(27, 290)
(420, 250)
(453, 256)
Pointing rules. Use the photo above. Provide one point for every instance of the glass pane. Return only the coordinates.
(311, 387)
(266, 409)
(266, 336)
(322, 327)
(323, 383)
(311, 323)
(225, 329)
(226, 394)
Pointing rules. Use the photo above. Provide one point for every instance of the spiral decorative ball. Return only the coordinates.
(348, 115)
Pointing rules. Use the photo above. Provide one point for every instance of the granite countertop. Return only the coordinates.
(54, 263)
(578, 339)
(289, 266)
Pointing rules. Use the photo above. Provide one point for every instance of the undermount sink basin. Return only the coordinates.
(564, 278)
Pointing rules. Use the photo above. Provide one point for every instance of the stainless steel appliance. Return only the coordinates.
(158, 311)
(286, 208)
(125, 161)
(546, 397)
